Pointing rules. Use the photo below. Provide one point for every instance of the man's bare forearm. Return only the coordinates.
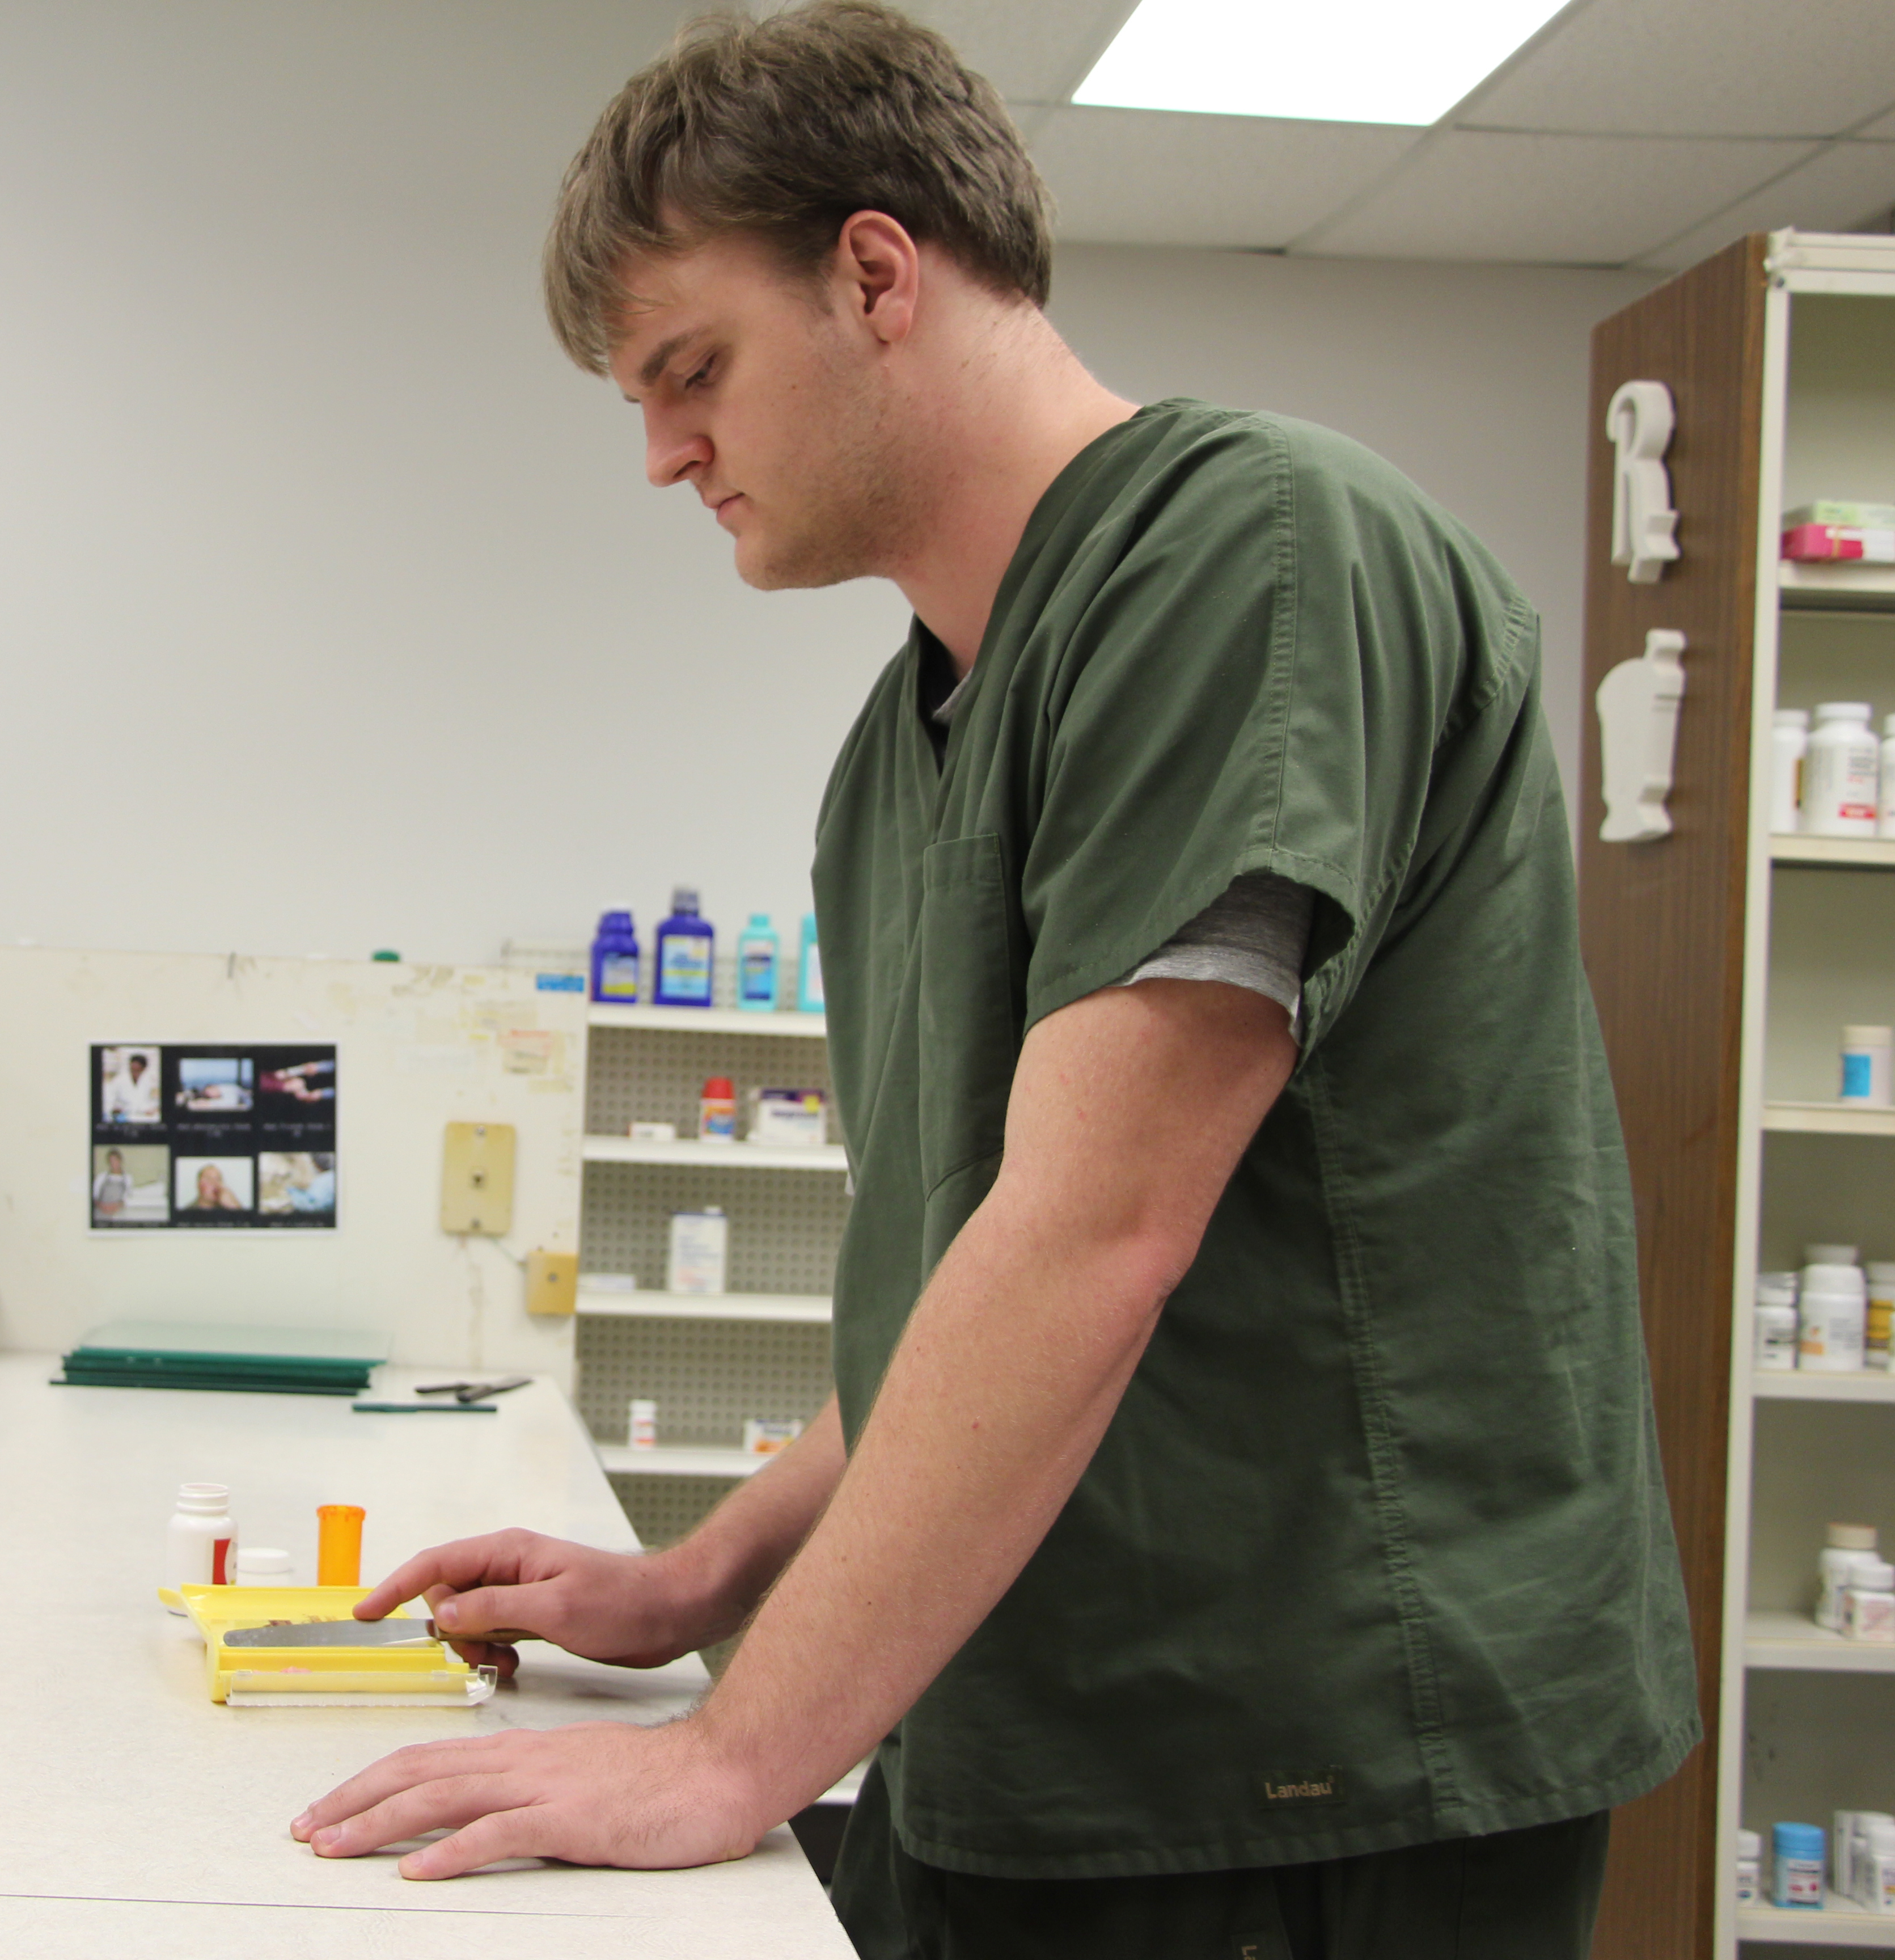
(1011, 1367)
(735, 1556)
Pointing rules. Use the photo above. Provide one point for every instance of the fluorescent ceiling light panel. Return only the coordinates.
(1372, 61)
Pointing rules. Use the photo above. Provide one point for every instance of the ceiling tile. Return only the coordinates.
(1560, 200)
(1739, 67)
(1840, 188)
(1036, 53)
(1134, 176)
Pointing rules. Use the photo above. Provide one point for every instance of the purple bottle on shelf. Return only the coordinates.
(614, 960)
(681, 972)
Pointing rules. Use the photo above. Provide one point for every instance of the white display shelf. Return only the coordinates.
(1866, 1386)
(717, 1156)
(707, 1021)
(611, 1303)
(1795, 1642)
(680, 1462)
(1871, 587)
(1841, 1923)
(1865, 853)
(1829, 1119)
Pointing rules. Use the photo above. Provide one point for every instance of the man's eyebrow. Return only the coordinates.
(660, 357)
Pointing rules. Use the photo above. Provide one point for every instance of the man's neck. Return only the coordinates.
(1004, 426)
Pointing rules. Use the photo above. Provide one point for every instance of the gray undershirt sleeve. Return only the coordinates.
(1255, 935)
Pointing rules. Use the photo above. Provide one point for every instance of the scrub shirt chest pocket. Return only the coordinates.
(971, 1005)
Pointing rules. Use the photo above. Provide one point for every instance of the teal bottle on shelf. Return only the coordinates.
(682, 967)
(757, 965)
(809, 969)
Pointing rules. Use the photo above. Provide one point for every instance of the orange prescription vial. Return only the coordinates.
(338, 1544)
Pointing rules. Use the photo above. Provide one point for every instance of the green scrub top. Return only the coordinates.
(1375, 1550)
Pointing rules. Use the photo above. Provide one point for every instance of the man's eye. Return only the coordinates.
(702, 376)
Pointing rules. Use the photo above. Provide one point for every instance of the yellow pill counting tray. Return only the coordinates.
(427, 1675)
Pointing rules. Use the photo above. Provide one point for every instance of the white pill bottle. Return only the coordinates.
(1789, 744)
(200, 1544)
(1841, 772)
(1849, 1548)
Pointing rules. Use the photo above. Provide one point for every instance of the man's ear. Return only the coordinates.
(879, 268)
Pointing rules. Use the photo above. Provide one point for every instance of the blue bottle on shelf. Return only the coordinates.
(809, 969)
(681, 973)
(614, 960)
(757, 965)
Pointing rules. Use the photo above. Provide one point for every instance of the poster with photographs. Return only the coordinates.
(193, 1136)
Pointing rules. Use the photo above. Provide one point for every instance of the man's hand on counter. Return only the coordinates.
(593, 1794)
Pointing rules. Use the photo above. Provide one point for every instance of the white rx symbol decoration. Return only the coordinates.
(1644, 525)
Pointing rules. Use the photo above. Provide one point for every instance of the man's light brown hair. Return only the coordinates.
(783, 127)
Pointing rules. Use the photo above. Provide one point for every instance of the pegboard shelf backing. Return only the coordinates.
(706, 1376)
(657, 1075)
(785, 1225)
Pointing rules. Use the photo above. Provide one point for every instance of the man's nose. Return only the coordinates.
(671, 451)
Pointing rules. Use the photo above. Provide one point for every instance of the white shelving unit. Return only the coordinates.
(708, 1360)
(785, 1308)
(689, 1152)
(1805, 1716)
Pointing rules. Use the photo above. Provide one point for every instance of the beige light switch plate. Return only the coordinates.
(477, 1178)
(552, 1282)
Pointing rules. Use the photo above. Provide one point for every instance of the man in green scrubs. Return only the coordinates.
(1239, 1521)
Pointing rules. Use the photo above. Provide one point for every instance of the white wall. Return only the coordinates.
(334, 612)
(417, 1048)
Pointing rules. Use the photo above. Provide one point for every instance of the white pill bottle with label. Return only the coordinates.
(200, 1544)
(1841, 772)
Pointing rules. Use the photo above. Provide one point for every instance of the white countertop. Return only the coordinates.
(135, 1812)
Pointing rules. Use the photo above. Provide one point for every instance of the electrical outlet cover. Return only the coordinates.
(477, 1178)
(552, 1282)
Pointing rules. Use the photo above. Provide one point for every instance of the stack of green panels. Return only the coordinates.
(265, 1360)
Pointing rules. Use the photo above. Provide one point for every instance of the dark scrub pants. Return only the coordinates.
(1529, 1894)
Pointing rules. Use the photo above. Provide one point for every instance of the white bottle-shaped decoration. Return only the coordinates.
(1789, 741)
(200, 1546)
(1840, 772)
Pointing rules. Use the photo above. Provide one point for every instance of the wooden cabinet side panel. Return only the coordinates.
(1662, 926)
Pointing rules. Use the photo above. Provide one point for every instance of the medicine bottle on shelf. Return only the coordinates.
(757, 965)
(1796, 1879)
(614, 960)
(1832, 1309)
(1841, 772)
(1776, 1325)
(685, 946)
(1866, 1073)
(200, 1546)
(717, 1111)
(1750, 1868)
(1789, 739)
(1849, 1546)
(1885, 804)
(809, 969)
(1869, 1601)
(1881, 1313)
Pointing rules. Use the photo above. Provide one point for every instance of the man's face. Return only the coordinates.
(113, 1162)
(136, 1065)
(763, 394)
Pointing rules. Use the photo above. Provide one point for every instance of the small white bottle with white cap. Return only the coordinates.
(1885, 812)
(1832, 1309)
(1841, 772)
(1789, 741)
(1849, 1546)
(1750, 1868)
(263, 1565)
(200, 1545)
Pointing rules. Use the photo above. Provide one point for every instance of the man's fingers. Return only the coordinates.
(406, 1769)
(529, 1832)
(504, 1659)
(444, 1804)
(467, 1562)
(485, 1609)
